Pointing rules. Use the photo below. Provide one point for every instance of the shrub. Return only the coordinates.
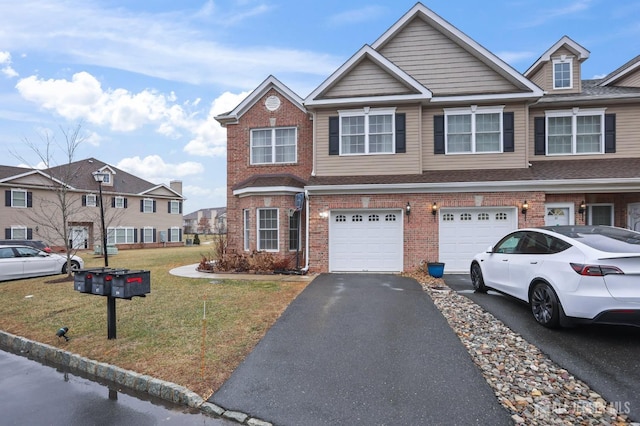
(196, 240)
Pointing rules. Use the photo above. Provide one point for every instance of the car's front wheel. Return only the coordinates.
(545, 305)
(476, 279)
(74, 266)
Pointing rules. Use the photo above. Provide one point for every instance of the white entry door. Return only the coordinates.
(633, 216)
(78, 236)
(556, 215)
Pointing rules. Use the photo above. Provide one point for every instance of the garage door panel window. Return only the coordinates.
(268, 229)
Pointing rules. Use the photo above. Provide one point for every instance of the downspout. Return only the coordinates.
(306, 240)
(313, 146)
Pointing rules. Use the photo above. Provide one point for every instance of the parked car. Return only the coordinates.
(40, 245)
(25, 262)
(566, 273)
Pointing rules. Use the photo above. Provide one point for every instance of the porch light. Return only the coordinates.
(408, 209)
(582, 209)
(525, 208)
(434, 208)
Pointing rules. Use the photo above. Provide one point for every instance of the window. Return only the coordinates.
(277, 145)
(562, 70)
(91, 200)
(119, 202)
(473, 130)
(577, 131)
(106, 177)
(148, 235)
(18, 198)
(268, 229)
(148, 205)
(294, 231)
(18, 233)
(367, 131)
(174, 235)
(600, 214)
(247, 230)
(174, 207)
(510, 243)
(120, 235)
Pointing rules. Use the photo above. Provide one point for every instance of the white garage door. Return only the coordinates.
(466, 232)
(365, 241)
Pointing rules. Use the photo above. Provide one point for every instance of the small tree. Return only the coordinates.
(204, 225)
(196, 240)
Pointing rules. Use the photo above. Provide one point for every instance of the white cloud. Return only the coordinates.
(355, 16)
(7, 70)
(154, 169)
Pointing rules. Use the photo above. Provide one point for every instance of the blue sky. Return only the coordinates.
(145, 78)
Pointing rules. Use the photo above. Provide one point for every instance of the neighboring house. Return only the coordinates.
(425, 146)
(206, 221)
(137, 213)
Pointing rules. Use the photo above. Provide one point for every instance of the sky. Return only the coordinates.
(142, 80)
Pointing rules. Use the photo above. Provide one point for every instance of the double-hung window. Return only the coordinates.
(91, 200)
(19, 233)
(174, 207)
(276, 145)
(148, 205)
(174, 234)
(120, 235)
(119, 202)
(562, 70)
(473, 130)
(268, 229)
(147, 234)
(18, 198)
(367, 131)
(577, 131)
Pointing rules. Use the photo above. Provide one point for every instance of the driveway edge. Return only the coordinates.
(167, 391)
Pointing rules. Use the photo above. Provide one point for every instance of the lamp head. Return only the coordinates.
(63, 333)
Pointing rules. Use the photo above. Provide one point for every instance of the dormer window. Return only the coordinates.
(562, 73)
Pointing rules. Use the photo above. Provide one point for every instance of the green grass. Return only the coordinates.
(164, 334)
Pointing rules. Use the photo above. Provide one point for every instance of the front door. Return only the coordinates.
(78, 236)
(633, 216)
(557, 216)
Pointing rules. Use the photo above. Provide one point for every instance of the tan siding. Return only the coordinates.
(505, 160)
(386, 164)
(441, 65)
(366, 79)
(543, 78)
(632, 80)
(627, 131)
(32, 179)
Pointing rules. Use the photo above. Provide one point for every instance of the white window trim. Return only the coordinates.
(172, 230)
(144, 205)
(562, 60)
(95, 200)
(273, 145)
(473, 110)
(26, 202)
(574, 113)
(119, 200)
(144, 230)
(570, 206)
(277, 229)
(590, 214)
(111, 235)
(367, 112)
(246, 232)
(177, 204)
(16, 228)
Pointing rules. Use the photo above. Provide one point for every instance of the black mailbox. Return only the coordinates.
(127, 284)
(101, 282)
(83, 279)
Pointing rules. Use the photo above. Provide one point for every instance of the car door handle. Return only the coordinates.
(505, 260)
(534, 262)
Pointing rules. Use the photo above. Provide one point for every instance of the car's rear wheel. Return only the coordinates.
(476, 279)
(74, 266)
(545, 305)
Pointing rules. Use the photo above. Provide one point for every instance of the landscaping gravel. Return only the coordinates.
(534, 389)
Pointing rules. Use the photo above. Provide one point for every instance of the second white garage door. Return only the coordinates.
(365, 241)
(466, 232)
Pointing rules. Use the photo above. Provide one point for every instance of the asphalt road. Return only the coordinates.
(32, 393)
(607, 358)
(362, 349)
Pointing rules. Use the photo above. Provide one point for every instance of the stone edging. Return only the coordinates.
(135, 381)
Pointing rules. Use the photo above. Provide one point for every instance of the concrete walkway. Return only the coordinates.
(361, 349)
(190, 271)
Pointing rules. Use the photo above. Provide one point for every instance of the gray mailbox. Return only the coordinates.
(101, 281)
(83, 279)
(128, 284)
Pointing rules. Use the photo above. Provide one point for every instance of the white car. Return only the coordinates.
(567, 274)
(25, 262)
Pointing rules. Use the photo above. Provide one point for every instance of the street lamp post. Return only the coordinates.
(111, 301)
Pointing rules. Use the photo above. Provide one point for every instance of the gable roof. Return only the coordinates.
(269, 83)
(581, 53)
(630, 67)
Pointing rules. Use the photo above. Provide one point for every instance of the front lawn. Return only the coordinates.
(168, 334)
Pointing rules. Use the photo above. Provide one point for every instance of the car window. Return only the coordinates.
(509, 244)
(27, 251)
(605, 238)
(6, 252)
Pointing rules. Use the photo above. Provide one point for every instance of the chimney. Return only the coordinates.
(176, 185)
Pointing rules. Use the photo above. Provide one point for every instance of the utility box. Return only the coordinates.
(83, 279)
(127, 284)
(101, 281)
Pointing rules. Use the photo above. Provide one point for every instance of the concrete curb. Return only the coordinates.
(130, 379)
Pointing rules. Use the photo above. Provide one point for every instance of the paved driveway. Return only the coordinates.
(361, 349)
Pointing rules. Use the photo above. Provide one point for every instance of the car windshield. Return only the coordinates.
(604, 238)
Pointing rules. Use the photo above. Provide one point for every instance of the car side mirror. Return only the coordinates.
(490, 249)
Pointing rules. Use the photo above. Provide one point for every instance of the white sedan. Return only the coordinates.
(567, 274)
(25, 262)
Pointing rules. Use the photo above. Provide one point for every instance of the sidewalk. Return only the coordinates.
(190, 271)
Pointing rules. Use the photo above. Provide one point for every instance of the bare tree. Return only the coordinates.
(52, 215)
(204, 225)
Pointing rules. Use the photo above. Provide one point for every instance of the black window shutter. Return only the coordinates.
(29, 199)
(84, 200)
(154, 235)
(7, 198)
(142, 205)
(334, 135)
(401, 133)
(508, 143)
(539, 136)
(179, 234)
(610, 133)
(438, 134)
(154, 206)
(125, 203)
(29, 233)
(113, 201)
(7, 233)
(135, 235)
(168, 206)
(180, 207)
